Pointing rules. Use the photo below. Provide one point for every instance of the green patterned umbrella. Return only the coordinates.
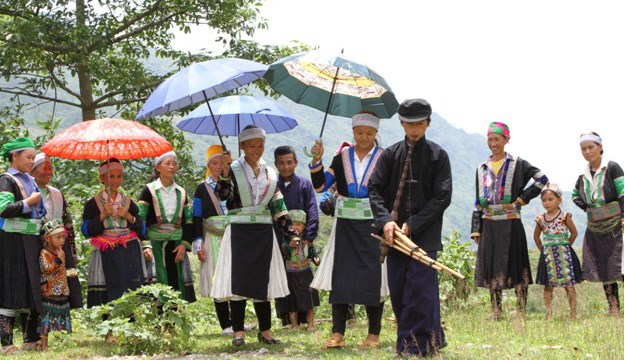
(331, 84)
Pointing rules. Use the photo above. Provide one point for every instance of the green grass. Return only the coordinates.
(594, 335)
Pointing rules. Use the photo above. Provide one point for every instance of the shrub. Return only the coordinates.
(458, 256)
(152, 319)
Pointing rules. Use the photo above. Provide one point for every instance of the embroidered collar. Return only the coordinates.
(602, 168)
(159, 185)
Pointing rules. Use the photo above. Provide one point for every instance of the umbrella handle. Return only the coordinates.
(310, 154)
(307, 153)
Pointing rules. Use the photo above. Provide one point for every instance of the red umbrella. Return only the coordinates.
(107, 138)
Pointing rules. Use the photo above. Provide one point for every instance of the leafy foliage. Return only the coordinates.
(46, 45)
(151, 319)
(458, 256)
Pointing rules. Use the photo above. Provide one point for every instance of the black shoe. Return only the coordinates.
(264, 340)
(238, 341)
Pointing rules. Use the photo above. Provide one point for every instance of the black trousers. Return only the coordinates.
(340, 313)
(223, 314)
(263, 314)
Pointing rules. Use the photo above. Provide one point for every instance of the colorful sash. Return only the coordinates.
(116, 231)
(502, 212)
(21, 225)
(605, 212)
(355, 209)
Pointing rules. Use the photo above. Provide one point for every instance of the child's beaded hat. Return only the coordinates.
(52, 227)
(552, 187)
(298, 216)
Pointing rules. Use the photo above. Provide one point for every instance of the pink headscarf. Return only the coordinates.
(498, 128)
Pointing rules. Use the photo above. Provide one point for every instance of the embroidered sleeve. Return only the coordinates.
(577, 198)
(198, 214)
(321, 180)
(8, 206)
(531, 172)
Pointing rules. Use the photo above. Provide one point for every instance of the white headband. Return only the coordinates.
(590, 137)
(160, 159)
(213, 156)
(110, 166)
(366, 119)
(252, 133)
(39, 159)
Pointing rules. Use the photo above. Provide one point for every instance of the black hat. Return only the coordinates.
(414, 110)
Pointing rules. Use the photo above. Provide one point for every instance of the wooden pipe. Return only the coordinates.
(404, 245)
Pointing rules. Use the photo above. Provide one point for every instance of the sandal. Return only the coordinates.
(371, 343)
(334, 342)
(9, 350)
(34, 346)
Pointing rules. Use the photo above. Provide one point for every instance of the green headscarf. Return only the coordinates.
(12, 146)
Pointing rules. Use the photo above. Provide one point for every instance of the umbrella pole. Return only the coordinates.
(325, 117)
(214, 122)
(108, 174)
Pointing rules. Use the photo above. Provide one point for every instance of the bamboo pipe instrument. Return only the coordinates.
(400, 244)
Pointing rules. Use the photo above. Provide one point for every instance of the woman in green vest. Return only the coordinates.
(21, 211)
(168, 215)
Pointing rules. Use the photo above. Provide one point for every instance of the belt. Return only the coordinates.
(604, 212)
(502, 212)
(556, 239)
(250, 215)
(216, 222)
(21, 225)
(352, 208)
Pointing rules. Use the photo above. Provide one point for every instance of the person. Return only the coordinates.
(21, 211)
(350, 266)
(599, 192)
(168, 215)
(299, 275)
(424, 167)
(298, 194)
(111, 222)
(57, 208)
(250, 265)
(54, 287)
(209, 223)
(500, 192)
(558, 265)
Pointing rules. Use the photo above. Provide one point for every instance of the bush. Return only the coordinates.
(458, 256)
(152, 319)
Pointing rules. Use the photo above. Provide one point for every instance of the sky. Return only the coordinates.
(549, 69)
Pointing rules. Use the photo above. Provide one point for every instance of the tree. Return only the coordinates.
(104, 44)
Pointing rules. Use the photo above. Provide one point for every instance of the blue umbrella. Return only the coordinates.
(233, 113)
(199, 82)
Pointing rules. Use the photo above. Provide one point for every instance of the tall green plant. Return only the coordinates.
(458, 256)
(152, 319)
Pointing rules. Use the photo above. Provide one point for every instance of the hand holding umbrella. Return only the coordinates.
(317, 151)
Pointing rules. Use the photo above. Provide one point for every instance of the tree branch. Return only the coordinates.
(37, 96)
(121, 102)
(126, 25)
(60, 84)
(111, 94)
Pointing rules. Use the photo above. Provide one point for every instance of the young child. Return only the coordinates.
(299, 274)
(54, 288)
(558, 265)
